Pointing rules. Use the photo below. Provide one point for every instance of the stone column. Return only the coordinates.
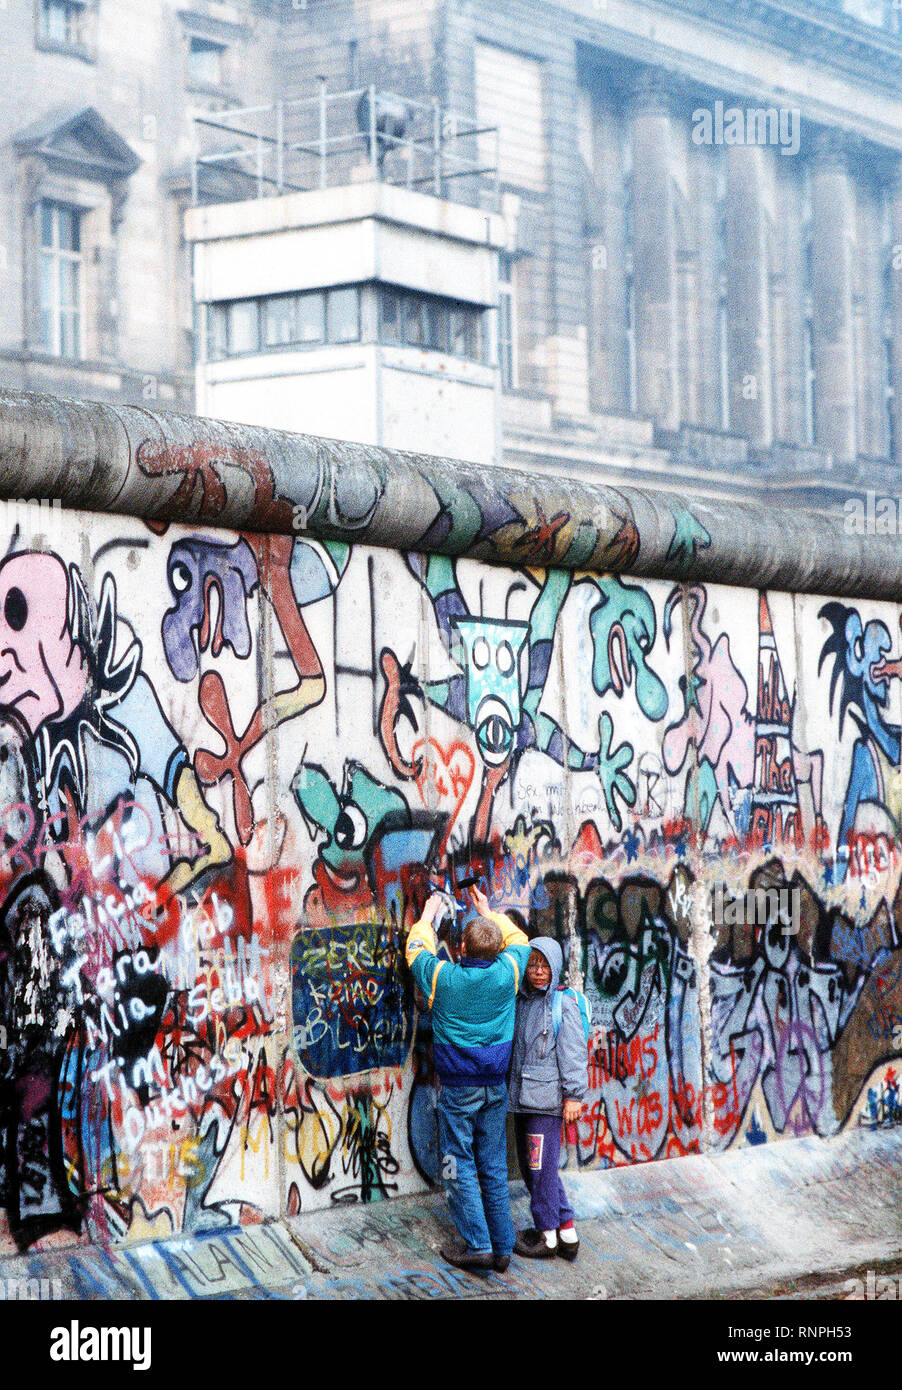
(895, 253)
(708, 290)
(605, 265)
(654, 255)
(748, 295)
(867, 303)
(566, 351)
(789, 422)
(833, 240)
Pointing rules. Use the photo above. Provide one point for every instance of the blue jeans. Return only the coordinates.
(473, 1165)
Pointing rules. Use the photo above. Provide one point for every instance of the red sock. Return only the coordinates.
(567, 1225)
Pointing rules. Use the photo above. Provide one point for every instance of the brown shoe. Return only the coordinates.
(568, 1249)
(500, 1263)
(464, 1258)
(532, 1245)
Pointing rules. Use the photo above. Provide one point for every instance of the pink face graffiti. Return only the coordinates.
(42, 671)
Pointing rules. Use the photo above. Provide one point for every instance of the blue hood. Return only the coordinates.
(552, 952)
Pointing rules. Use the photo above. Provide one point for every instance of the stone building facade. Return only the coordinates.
(95, 112)
(702, 205)
(704, 214)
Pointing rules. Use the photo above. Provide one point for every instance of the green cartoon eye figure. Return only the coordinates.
(350, 820)
(505, 713)
(489, 653)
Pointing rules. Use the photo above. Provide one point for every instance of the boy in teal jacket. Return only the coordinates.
(473, 1009)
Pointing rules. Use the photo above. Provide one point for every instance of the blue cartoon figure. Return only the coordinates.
(489, 653)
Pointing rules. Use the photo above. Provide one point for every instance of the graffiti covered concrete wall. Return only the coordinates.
(231, 766)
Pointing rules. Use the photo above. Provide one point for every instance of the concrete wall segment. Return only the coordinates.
(172, 467)
(227, 760)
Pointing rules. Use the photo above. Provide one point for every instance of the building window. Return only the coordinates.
(217, 332)
(343, 315)
(409, 319)
(60, 279)
(435, 325)
(206, 62)
(507, 326)
(244, 327)
(315, 317)
(62, 22)
(412, 320)
(280, 320)
(390, 315)
(311, 320)
(283, 321)
(463, 332)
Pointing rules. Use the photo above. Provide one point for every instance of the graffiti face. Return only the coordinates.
(860, 669)
(211, 584)
(490, 652)
(350, 820)
(42, 671)
(860, 676)
(865, 655)
(623, 631)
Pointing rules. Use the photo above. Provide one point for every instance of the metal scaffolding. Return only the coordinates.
(341, 137)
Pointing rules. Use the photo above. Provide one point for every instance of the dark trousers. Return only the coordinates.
(539, 1153)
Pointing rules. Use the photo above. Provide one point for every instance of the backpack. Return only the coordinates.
(557, 1009)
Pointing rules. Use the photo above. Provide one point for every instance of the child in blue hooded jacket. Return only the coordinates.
(548, 1084)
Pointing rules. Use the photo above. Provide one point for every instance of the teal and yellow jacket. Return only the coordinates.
(473, 1004)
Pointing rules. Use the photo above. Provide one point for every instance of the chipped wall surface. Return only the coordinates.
(230, 765)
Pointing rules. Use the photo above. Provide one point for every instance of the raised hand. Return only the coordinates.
(435, 904)
(479, 901)
(611, 769)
